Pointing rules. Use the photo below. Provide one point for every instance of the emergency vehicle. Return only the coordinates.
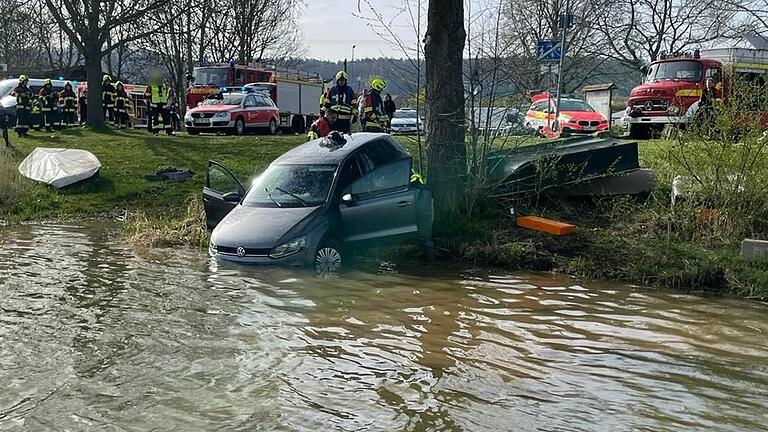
(673, 85)
(235, 112)
(576, 116)
(295, 93)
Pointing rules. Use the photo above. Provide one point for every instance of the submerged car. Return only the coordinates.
(576, 116)
(317, 199)
(233, 112)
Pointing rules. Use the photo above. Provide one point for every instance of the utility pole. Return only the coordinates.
(352, 63)
(565, 23)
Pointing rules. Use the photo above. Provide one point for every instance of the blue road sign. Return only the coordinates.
(548, 49)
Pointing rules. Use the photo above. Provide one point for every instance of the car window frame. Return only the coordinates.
(252, 98)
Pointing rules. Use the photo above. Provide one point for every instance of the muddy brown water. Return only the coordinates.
(95, 335)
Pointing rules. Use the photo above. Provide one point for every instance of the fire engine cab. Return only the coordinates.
(674, 83)
(296, 93)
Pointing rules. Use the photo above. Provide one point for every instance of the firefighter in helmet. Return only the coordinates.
(23, 105)
(122, 106)
(108, 96)
(67, 105)
(342, 97)
(376, 119)
(48, 102)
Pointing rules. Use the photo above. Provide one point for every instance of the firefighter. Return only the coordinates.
(173, 110)
(157, 102)
(35, 115)
(342, 97)
(375, 117)
(108, 95)
(324, 125)
(82, 106)
(122, 106)
(67, 105)
(48, 102)
(23, 106)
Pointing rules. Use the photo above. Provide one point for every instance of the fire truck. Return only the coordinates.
(296, 93)
(674, 83)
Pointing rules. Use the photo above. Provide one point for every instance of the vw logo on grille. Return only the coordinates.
(648, 106)
(241, 251)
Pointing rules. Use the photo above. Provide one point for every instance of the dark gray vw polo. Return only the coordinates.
(316, 199)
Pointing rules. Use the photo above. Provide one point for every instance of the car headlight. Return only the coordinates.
(289, 248)
(628, 110)
(674, 110)
(188, 115)
(213, 248)
(222, 115)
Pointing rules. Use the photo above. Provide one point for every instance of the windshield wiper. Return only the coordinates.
(304, 203)
(269, 195)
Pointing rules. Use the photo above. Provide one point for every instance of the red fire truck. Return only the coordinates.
(296, 93)
(674, 83)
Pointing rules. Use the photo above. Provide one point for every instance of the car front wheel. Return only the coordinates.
(328, 259)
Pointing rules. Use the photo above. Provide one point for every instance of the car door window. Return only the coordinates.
(250, 102)
(221, 181)
(261, 101)
(348, 174)
(390, 177)
(378, 154)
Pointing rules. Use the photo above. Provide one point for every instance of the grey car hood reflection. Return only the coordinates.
(258, 227)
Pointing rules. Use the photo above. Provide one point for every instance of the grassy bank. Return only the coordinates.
(636, 241)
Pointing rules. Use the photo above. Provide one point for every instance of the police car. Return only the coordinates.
(236, 112)
(576, 116)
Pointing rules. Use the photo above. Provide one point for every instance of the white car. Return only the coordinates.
(405, 121)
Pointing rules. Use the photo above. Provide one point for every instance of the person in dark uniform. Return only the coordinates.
(389, 108)
(67, 105)
(108, 99)
(82, 106)
(122, 106)
(24, 99)
(48, 102)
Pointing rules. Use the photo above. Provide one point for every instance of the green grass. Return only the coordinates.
(126, 158)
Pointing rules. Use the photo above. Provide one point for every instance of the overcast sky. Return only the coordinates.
(331, 27)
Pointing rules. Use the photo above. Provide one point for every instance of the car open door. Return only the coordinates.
(221, 193)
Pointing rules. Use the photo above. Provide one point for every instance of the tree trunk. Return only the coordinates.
(95, 102)
(446, 151)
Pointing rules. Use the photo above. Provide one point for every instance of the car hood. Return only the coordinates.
(259, 227)
(404, 121)
(214, 108)
(582, 115)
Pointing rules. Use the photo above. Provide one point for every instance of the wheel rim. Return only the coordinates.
(239, 127)
(272, 127)
(327, 261)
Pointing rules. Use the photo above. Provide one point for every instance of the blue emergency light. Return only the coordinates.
(61, 78)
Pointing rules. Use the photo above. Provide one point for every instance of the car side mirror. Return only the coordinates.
(348, 199)
(232, 197)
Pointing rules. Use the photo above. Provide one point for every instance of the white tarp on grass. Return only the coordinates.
(59, 167)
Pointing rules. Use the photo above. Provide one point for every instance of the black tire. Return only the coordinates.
(328, 259)
(193, 131)
(297, 125)
(272, 129)
(239, 126)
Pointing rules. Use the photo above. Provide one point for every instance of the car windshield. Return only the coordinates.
(291, 186)
(405, 114)
(675, 71)
(210, 76)
(574, 105)
(229, 99)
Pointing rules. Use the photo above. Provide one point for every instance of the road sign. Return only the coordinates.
(548, 50)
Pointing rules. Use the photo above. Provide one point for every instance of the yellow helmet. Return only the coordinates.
(106, 78)
(378, 84)
(341, 75)
(47, 81)
(23, 78)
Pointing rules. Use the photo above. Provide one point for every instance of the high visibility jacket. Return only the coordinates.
(67, 101)
(108, 95)
(319, 129)
(343, 99)
(122, 101)
(374, 110)
(48, 99)
(23, 97)
(157, 94)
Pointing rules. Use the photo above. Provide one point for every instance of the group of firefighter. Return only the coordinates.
(60, 110)
(339, 109)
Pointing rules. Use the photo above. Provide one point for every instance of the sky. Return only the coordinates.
(331, 27)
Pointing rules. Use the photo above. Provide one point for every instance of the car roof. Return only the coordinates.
(314, 153)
